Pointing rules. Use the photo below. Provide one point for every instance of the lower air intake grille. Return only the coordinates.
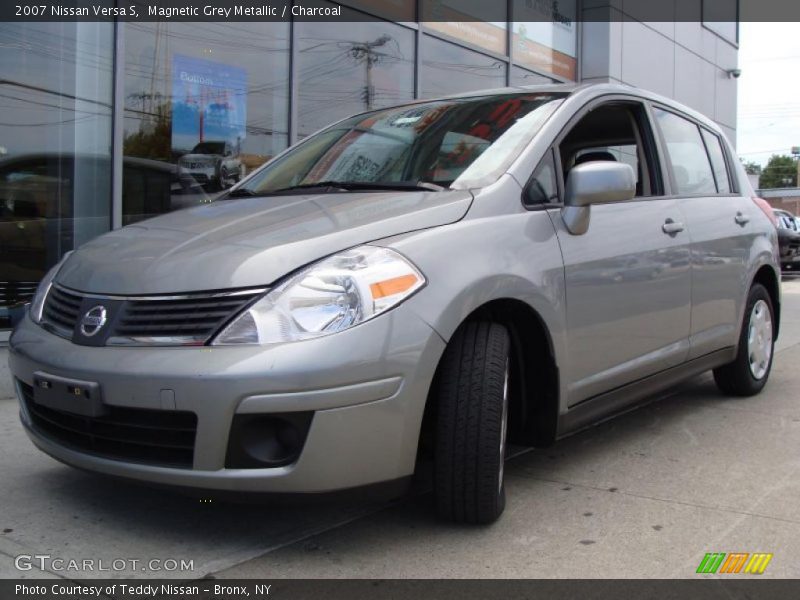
(153, 437)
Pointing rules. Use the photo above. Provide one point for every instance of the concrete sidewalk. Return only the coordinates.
(644, 495)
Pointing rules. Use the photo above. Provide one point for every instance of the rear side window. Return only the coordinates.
(714, 145)
(686, 154)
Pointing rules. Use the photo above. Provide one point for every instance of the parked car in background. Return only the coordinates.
(210, 163)
(422, 282)
(788, 239)
(38, 220)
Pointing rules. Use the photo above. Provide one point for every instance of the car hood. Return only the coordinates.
(248, 242)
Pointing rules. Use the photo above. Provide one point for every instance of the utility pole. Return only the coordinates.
(796, 154)
(366, 52)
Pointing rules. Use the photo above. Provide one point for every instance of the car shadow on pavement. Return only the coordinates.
(163, 508)
(95, 515)
(612, 500)
(78, 515)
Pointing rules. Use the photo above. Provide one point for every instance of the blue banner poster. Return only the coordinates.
(209, 103)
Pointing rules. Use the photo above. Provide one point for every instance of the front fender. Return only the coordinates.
(475, 261)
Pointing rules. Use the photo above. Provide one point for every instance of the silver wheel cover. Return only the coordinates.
(759, 339)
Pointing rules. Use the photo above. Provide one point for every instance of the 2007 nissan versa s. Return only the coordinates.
(507, 265)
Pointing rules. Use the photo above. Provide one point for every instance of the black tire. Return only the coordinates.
(471, 394)
(737, 378)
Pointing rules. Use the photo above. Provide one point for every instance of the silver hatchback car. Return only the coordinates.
(429, 281)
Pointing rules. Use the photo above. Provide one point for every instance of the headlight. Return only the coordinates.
(332, 295)
(37, 303)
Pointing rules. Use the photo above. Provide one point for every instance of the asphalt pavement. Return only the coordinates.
(644, 495)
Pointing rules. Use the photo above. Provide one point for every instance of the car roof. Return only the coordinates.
(585, 91)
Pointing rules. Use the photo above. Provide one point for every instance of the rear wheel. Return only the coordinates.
(748, 373)
(472, 422)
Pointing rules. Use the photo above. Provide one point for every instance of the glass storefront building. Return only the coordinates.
(105, 124)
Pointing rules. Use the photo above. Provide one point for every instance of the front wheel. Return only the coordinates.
(748, 373)
(472, 421)
(223, 180)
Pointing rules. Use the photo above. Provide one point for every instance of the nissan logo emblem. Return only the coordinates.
(93, 320)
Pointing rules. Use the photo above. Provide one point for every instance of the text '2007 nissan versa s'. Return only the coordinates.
(503, 266)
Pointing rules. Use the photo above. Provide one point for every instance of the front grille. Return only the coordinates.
(16, 293)
(189, 319)
(62, 309)
(153, 437)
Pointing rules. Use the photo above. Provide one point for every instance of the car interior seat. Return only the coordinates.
(593, 156)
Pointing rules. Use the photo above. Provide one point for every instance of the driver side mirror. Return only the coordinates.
(600, 182)
(596, 182)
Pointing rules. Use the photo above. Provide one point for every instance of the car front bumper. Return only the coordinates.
(365, 386)
(198, 174)
(790, 262)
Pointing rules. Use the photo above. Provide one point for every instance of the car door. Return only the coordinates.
(628, 276)
(718, 220)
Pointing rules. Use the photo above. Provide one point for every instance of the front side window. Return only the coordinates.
(686, 154)
(460, 143)
(613, 132)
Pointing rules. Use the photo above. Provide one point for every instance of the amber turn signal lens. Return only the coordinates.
(395, 285)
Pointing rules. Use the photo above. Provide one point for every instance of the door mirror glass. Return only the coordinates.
(600, 182)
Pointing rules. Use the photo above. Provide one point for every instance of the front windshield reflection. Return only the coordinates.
(434, 143)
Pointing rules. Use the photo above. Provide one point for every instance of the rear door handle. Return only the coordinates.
(741, 219)
(671, 227)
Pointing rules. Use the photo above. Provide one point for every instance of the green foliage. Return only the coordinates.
(780, 172)
(751, 168)
(154, 138)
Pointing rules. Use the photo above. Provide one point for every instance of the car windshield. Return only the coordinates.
(459, 143)
(209, 148)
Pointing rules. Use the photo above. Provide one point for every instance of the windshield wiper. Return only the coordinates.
(425, 186)
(342, 186)
(366, 185)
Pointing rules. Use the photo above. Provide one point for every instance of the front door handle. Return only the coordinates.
(741, 219)
(671, 227)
